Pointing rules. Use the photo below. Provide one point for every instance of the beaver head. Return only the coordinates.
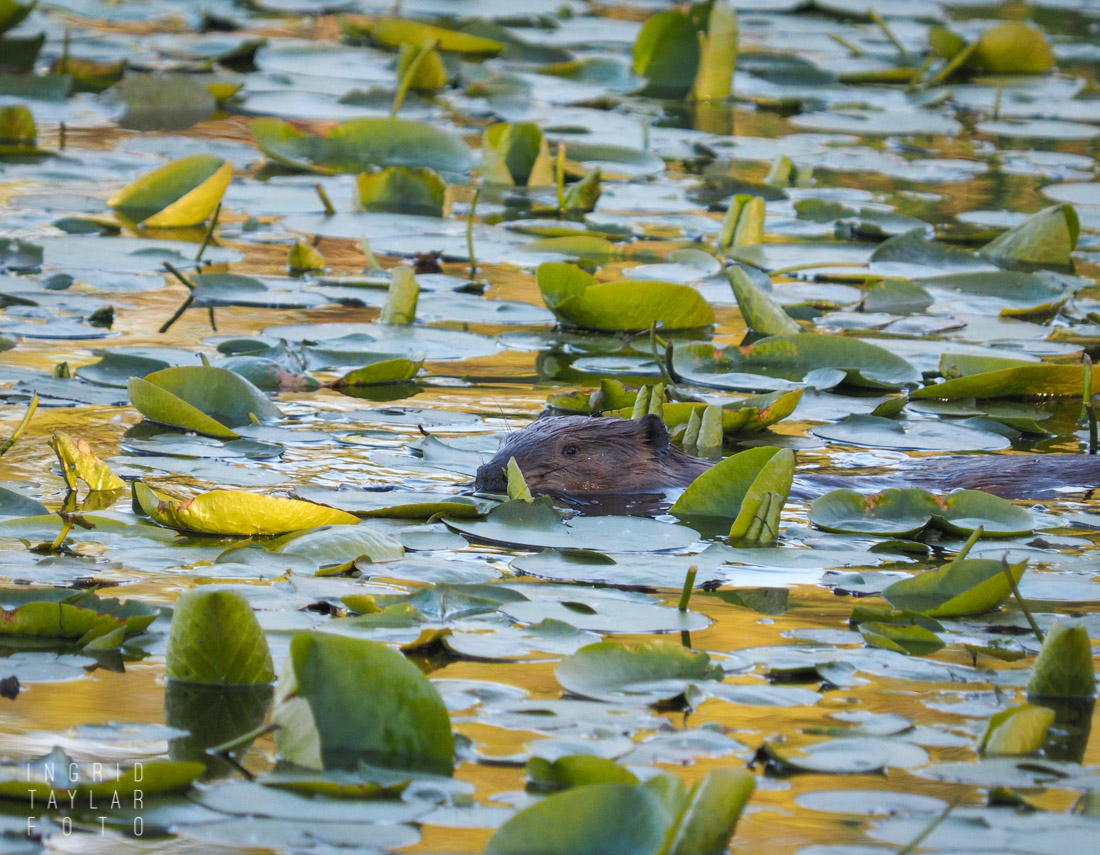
(582, 454)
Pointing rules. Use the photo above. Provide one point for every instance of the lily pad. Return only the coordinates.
(907, 511)
(962, 587)
(215, 639)
(648, 674)
(577, 298)
(182, 193)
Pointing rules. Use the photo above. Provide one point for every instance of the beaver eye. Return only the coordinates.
(569, 450)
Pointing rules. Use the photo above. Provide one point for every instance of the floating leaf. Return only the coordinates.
(384, 371)
(1019, 730)
(914, 640)
(757, 522)
(1045, 239)
(577, 298)
(341, 545)
(399, 189)
(792, 357)
(907, 511)
(235, 512)
(1025, 381)
(303, 258)
(78, 461)
(516, 153)
(576, 770)
(517, 486)
(13, 12)
(647, 674)
(598, 819)
(344, 701)
(1063, 668)
(968, 586)
(182, 193)
(205, 399)
(216, 640)
(362, 143)
(537, 524)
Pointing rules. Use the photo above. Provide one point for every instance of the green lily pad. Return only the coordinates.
(1024, 381)
(909, 639)
(215, 639)
(1014, 47)
(964, 587)
(362, 143)
(402, 190)
(341, 545)
(537, 524)
(399, 504)
(205, 399)
(577, 298)
(13, 12)
(719, 492)
(647, 674)
(792, 358)
(393, 32)
(344, 701)
(907, 511)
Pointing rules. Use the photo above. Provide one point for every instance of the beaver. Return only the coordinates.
(578, 455)
(569, 455)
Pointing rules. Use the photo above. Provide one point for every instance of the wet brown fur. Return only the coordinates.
(613, 455)
(571, 455)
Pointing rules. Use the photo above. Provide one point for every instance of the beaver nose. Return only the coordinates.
(490, 478)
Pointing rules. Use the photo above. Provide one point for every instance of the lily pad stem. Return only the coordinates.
(470, 234)
(209, 233)
(928, 829)
(329, 210)
(186, 304)
(689, 584)
(974, 537)
(22, 426)
(951, 67)
(853, 49)
(878, 19)
(559, 177)
(1020, 600)
(653, 342)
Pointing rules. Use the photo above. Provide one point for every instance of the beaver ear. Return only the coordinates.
(653, 432)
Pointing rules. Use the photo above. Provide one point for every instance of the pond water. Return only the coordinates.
(882, 176)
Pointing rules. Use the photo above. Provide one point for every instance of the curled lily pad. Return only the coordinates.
(179, 194)
(344, 701)
(399, 370)
(362, 143)
(907, 511)
(577, 298)
(759, 309)
(235, 512)
(963, 587)
(91, 784)
(516, 153)
(1014, 47)
(1063, 668)
(1019, 730)
(393, 32)
(205, 399)
(78, 461)
(646, 674)
(720, 491)
(215, 639)
(667, 54)
(1045, 239)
